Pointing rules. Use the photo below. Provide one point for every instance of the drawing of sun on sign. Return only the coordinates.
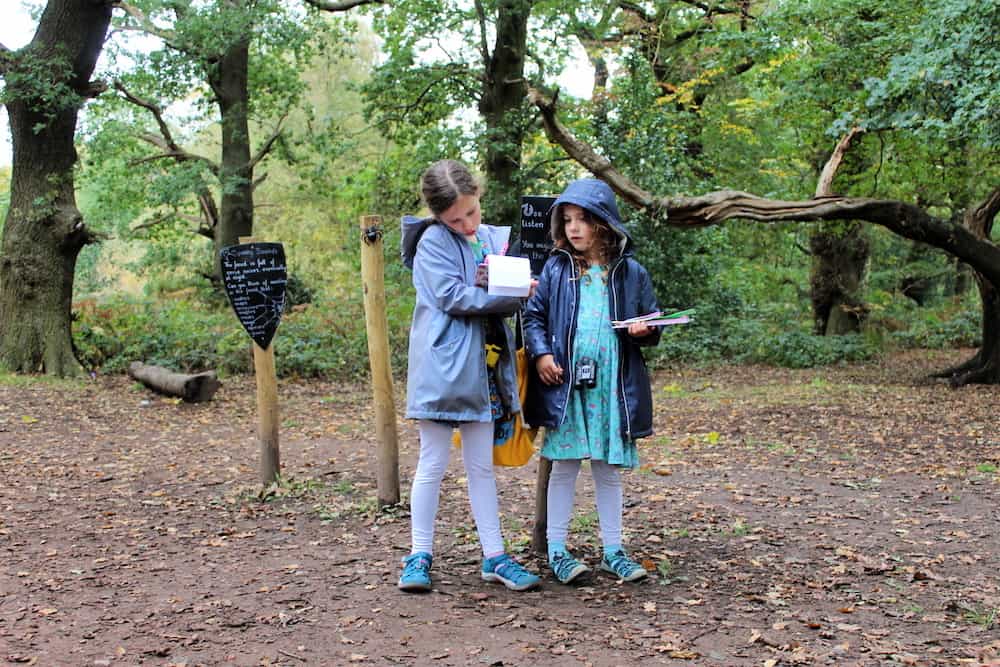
(255, 277)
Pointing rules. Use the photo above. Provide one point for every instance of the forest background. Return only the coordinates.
(341, 106)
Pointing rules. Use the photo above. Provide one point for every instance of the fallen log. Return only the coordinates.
(192, 388)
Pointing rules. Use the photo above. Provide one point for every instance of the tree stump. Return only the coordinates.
(192, 388)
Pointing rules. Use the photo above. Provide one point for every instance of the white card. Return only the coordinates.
(508, 276)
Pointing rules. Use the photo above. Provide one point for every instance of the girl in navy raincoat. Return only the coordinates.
(590, 388)
(452, 381)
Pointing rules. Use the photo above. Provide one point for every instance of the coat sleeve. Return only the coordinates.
(438, 271)
(647, 304)
(536, 316)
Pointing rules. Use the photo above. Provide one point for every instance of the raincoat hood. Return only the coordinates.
(596, 197)
(412, 229)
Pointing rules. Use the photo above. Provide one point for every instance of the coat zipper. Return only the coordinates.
(621, 352)
(569, 336)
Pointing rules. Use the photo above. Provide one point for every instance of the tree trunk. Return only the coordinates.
(984, 366)
(502, 107)
(839, 259)
(44, 231)
(229, 83)
(195, 388)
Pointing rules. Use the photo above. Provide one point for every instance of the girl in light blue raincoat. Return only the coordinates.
(461, 367)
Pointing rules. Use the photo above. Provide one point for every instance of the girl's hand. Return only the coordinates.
(639, 329)
(548, 370)
(482, 276)
(531, 290)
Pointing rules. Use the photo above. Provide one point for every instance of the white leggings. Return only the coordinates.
(477, 453)
(607, 492)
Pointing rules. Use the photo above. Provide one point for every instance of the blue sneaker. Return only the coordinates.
(623, 567)
(566, 568)
(416, 572)
(509, 572)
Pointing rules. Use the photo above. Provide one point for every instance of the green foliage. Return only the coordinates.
(44, 82)
(947, 82)
(325, 339)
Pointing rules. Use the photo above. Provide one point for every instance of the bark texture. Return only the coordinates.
(47, 83)
(502, 109)
(839, 259)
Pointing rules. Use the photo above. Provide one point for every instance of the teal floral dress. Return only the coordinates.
(592, 427)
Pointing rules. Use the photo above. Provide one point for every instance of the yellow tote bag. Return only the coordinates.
(519, 447)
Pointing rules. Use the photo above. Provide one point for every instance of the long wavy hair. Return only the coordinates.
(604, 238)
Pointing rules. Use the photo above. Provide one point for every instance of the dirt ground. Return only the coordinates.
(840, 516)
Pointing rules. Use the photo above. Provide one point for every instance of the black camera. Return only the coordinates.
(585, 373)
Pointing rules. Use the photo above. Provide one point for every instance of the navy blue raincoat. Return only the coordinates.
(550, 320)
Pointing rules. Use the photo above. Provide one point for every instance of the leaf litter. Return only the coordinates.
(837, 516)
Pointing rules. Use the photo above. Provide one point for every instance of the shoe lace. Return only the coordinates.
(416, 565)
(563, 564)
(622, 564)
(511, 569)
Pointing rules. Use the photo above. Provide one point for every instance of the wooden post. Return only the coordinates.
(267, 407)
(539, 539)
(267, 413)
(377, 327)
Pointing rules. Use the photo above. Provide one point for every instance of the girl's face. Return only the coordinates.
(580, 232)
(463, 217)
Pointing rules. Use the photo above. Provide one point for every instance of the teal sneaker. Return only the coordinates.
(623, 567)
(509, 572)
(416, 572)
(566, 568)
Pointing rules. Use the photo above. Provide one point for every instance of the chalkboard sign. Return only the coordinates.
(255, 276)
(535, 239)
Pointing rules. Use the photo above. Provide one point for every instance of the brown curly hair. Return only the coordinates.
(604, 237)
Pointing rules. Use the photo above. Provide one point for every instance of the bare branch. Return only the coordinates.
(166, 140)
(146, 25)
(263, 151)
(907, 220)
(824, 187)
(990, 206)
(341, 5)
(484, 49)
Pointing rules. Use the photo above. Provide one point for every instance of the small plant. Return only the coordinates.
(984, 616)
(680, 533)
(288, 487)
(343, 487)
(739, 529)
(584, 522)
(988, 468)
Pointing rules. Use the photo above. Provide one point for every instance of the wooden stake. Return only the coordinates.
(539, 539)
(267, 407)
(267, 413)
(377, 327)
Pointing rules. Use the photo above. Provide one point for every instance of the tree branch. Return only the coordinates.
(263, 151)
(824, 186)
(342, 5)
(990, 206)
(146, 25)
(166, 141)
(907, 220)
(484, 49)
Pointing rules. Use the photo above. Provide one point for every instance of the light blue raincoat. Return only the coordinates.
(446, 376)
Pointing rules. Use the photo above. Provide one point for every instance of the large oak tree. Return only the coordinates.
(45, 85)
